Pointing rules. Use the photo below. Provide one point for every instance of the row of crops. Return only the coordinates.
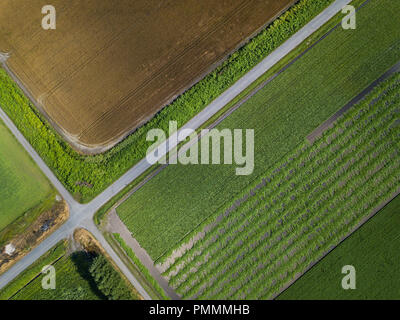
(301, 209)
(286, 110)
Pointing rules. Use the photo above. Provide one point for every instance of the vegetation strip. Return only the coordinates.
(144, 271)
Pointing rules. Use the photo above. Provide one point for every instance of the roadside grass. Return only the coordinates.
(372, 250)
(24, 190)
(298, 210)
(291, 106)
(86, 176)
(136, 267)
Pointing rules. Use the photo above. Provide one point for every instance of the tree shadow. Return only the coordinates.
(83, 261)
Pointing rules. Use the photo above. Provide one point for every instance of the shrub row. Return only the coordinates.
(108, 281)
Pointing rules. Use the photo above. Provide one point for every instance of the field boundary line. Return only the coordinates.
(360, 224)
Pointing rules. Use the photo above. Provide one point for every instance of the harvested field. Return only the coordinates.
(110, 66)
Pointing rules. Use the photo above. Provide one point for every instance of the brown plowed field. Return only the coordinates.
(111, 65)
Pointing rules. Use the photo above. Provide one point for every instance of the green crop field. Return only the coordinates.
(76, 278)
(23, 187)
(300, 209)
(372, 250)
(282, 114)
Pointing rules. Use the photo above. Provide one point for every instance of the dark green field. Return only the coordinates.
(282, 114)
(372, 250)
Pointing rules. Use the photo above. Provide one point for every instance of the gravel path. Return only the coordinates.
(115, 225)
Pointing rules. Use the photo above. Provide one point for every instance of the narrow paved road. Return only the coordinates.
(82, 215)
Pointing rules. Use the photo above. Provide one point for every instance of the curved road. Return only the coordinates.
(82, 215)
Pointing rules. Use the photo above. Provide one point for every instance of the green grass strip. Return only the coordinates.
(145, 272)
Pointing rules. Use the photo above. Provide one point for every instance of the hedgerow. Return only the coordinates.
(87, 176)
(108, 281)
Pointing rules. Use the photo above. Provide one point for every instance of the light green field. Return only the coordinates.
(282, 114)
(23, 187)
(372, 250)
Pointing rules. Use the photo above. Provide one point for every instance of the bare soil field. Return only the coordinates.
(111, 65)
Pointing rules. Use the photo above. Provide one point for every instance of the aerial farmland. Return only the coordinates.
(199, 150)
(109, 68)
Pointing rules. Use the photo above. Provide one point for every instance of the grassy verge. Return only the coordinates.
(132, 267)
(372, 250)
(141, 268)
(282, 114)
(85, 177)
